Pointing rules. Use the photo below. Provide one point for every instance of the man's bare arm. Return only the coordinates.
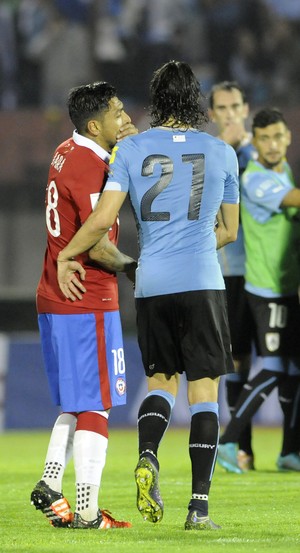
(107, 255)
(70, 273)
(91, 232)
(227, 224)
(291, 199)
(95, 227)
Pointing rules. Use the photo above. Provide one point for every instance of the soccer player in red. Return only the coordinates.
(82, 341)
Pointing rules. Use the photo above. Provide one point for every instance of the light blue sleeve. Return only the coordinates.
(231, 186)
(265, 190)
(118, 177)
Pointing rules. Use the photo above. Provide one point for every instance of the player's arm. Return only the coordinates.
(93, 230)
(106, 254)
(228, 215)
(227, 224)
(291, 199)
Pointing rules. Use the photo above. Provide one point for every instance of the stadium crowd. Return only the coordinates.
(254, 41)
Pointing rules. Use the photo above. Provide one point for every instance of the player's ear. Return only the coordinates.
(93, 127)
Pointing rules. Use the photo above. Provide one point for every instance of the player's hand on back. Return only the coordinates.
(70, 285)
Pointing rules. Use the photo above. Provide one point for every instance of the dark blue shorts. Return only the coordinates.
(277, 328)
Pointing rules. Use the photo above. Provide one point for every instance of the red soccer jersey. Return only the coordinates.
(77, 175)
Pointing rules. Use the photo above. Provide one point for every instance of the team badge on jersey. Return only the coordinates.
(179, 138)
(272, 341)
(121, 386)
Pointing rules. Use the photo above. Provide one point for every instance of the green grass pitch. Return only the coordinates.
(258, 511)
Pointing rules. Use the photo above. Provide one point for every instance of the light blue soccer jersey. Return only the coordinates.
(232, 257)
(176, 181)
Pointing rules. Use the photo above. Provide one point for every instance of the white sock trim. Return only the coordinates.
(104, 414)
(200, 496)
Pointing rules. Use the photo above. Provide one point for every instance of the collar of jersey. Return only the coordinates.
(174, 129)
(88, 143)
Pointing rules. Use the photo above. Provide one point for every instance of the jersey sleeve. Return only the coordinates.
(118, 177)
(265, 191)
(231, 185)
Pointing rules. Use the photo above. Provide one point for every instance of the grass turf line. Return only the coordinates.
(258, 511)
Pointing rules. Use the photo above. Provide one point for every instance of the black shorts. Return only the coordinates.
(187, 331)
(241, 322)
(278, 323)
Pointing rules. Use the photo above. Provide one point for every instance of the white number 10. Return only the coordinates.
(278, 315)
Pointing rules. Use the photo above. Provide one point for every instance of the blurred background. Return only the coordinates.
(49, 46)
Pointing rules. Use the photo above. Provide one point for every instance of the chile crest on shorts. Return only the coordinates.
(115, 358)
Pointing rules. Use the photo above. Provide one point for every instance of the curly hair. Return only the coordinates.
(176, 97)
(88, 101)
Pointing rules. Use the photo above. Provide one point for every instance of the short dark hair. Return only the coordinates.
(87, 101)
(266, 117)
(228, 86)
(175, 93)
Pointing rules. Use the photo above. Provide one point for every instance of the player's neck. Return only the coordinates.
(181, 128)
(174, 124)
(278, 168)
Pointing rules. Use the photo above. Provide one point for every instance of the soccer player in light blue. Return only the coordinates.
(180, 180)
(270, 215)
(229, 110)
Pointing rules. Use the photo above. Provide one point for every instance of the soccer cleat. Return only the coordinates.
(53, 504)
(149, 501)
(227, 457)
(245, 461)
(104, 521)
(194, 521)
(109, 522)
(289, 462)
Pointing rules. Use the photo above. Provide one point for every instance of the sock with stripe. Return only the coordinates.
(203, 443)
(90, 445)
(289, 398)
(233, 391)
(153, 420)
(254, 393)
